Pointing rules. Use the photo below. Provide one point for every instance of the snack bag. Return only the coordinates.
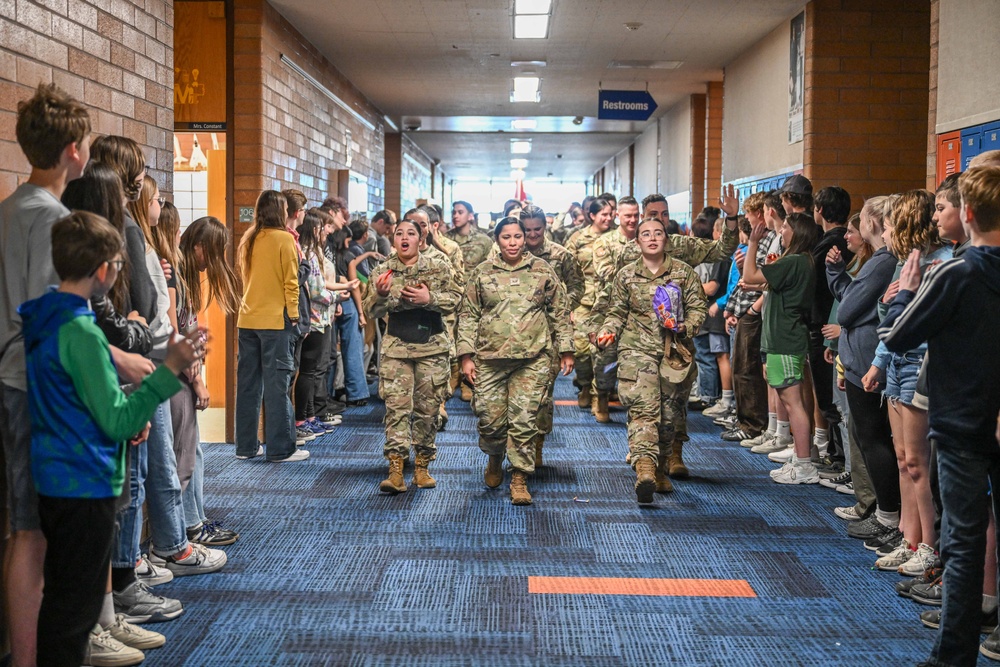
(667, 305)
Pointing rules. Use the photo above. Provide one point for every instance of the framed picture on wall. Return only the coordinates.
(796, 77)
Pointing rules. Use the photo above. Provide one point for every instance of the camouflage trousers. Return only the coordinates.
(604, 380)
(508, 396)
(545, 410)
(582, 350)
(412, 390)
(654, 403)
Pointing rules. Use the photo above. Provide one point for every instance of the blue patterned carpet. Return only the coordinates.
(329, 572)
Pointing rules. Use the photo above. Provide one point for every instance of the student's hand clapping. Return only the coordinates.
(184, 350)
(891, 292)
(909, 278)
(833, 257)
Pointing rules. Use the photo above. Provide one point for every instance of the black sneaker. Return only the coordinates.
(893, 537)
(932, 619)
(727, 421)
(886, 547)
(867, 529)
(737, 434)
(928, 594)
(929, 575)
(212, 534)
(991, 647)
(699, 405)
(832, 481)
(829, 468)
(360, 403)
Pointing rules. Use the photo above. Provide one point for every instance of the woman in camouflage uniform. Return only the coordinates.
(513, 308)
(654, 359)
(415, 290)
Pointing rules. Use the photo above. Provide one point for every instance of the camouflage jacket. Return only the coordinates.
(567, 270)
(630, 315)
(513, 312)
(454, 255)
(475, 247)
(437, 274)
(581, 246)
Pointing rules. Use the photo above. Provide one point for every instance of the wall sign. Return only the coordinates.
(636, 105)
(246, 213)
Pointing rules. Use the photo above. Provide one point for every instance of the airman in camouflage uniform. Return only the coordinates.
(475, 247)
(571, 278)
(654, 362)
(413, 376)
(509, 318)
(581, 247)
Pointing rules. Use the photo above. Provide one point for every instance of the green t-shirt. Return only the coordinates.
(791, 285)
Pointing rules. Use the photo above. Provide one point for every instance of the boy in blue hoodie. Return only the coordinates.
(80, 420)
(957, 311)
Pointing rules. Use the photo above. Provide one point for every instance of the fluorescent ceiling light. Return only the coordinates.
(531, 26)
(524, 124)
(518, 163)
(520, 146)
(528, 63)
(517, 174)
(525, 89)
(532, 6)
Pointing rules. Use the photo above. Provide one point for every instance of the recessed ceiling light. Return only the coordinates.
(520, 146)
(517, 174)
(532, 6)
(528, 63)
(525, 89)
(645, 64)
(524, 124)
(531, 26)
(518, 163)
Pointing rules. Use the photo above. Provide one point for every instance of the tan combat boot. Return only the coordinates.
(663, 484)
(493, 476)
(442, 417)
(466, 393)
(676, 468)
(519, 489)
(421, 477)
(539, 442)
(601, 413)
(645, 480)
(583, 399)
(394, 483)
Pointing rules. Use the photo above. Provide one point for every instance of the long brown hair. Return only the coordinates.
(913, 224)
(123, 155)
(212, 237)
(805, 233)
(271, 213)
(867, 250)
(310, 233)
(139, 208)
(164, 242)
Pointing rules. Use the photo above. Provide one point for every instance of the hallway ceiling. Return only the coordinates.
(445, 65)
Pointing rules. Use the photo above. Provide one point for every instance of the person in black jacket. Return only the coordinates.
(955, 308)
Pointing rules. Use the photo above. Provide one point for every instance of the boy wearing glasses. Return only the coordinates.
(80, 420)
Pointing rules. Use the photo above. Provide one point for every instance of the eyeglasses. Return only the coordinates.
(161, 201)
(117, 263)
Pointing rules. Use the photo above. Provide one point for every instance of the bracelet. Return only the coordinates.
(752, 311)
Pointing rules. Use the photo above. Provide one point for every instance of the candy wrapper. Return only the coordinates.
(668, 307)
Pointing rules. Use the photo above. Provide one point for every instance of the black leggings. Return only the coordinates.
(870, 421)
(312, 375)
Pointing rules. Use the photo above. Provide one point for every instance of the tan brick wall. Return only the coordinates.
(932, 97)
(713, 144)
(288, 133)
(699, 123)
(114, 55)
(866, 95)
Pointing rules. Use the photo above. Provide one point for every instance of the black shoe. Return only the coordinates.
(867, 529)
(699, 405)
(890, 539)
(737, 434)
(212, 534)
(829, 469)
(991, 647)
(929, 576)
(360, 403)
(932, 619)
(929, 594)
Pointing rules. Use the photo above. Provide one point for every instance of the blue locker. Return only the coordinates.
(972, 144)
(991, 137)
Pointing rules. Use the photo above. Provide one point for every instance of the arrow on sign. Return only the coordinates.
(636, 105)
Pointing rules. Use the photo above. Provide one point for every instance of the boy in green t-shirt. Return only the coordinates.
(790, 283)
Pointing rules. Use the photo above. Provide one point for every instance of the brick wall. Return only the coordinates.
(114, 55)
(866, 95)
(699, 123)
(287, 132)
(932, 97)
(713, 144)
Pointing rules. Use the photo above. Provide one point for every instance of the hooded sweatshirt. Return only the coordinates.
(80, 418)
(957, 311)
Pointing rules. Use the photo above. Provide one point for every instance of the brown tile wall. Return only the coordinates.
(287, 133)
(866, 95)
(932, 98)
(699, 123)
(713, 144)
(114, 55)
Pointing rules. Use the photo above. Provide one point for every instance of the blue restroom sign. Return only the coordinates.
(625, 105)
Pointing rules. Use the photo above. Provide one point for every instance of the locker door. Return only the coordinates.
(972, 144)
(949, 154)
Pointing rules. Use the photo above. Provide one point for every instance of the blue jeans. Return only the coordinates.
(163, 488)
(352, 351)
(265, 367)
(128, 521)
(194, 494)
(709, 387)
(965, 477)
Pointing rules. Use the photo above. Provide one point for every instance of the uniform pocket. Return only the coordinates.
(628, 368)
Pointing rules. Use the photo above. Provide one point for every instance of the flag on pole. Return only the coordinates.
(519, 193)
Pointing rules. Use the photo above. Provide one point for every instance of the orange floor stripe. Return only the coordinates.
(612, 404)
(718, 588)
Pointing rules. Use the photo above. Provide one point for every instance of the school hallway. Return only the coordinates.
(730, 569)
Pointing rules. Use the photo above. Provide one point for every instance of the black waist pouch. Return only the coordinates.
(416, 325)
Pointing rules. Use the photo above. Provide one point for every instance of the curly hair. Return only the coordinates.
(913, 223)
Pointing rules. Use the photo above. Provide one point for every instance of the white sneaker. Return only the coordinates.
(847, 513)
(201, 560)
(759, 440)
(297, 455)
(775, 444)
(795, 474)
(895, 558)
(134, 636)
(103, 650)
(782, 456)
(260, 451)
(720, 409)
(150, 574)
(923, 558)
(787, 464)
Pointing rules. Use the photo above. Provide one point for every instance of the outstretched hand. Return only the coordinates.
(728, 201)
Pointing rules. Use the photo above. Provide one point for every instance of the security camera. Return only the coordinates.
(578, 120)
(411, 124)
